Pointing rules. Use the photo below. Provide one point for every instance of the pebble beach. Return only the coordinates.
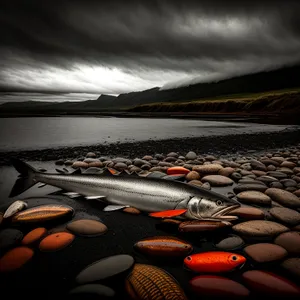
(83, 251)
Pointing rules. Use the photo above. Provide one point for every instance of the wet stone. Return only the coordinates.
(236, 176)
(56, 241)
(289, 241)
(265, 252)
(277, 174)
(249, 187)
(217, 180)
(267, 179)
(206, 186)
(245, 180)
(10, 237)
(202, 226)
(86, 227)
(232, 242)
(207, 169)
(287, 216)
(248, 213)
(292, 265)
(193, 175)
(87, 291)
(226, 171)
(260, 228)
(105, 268)
(283, 197)
(297, 193)
(254, 197)
(196, 183)
(288, 182)
(191, 155)
(257, 165)
(291, 189)
(276, 184)
(132, 210)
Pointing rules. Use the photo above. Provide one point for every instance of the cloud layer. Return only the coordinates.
(121, 46)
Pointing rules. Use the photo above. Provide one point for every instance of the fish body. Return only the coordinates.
(145, 194)
(14, 208)
(214, 262)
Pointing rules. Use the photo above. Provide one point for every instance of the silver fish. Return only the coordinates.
(145, 194)
(14, 208)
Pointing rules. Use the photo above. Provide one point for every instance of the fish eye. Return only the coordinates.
(234, 257)
(189, 258)
(219, 203)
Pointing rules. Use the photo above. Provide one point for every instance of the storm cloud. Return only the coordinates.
(121, 46)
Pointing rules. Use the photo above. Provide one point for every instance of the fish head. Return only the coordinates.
(236, 260)
(216, 209)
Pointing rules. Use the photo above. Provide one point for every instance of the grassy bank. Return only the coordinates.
(282, 101)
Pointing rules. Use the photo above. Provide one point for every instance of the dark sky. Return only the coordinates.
(121, 46)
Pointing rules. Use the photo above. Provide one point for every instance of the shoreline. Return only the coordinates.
(221, 145)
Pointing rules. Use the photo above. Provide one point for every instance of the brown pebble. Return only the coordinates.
(289, 241)
(283, 197)
(80, 164)
(297, 193)
(217, 180)
(207, 169)
(193, 175)
(248, 213)
(226, 171)
(202, 226)
(265, 252)
(132, 210)
(195, 182)
(87, 227)
(171, 221)
(292, 265)
(258, 173)
(286, 215)
(254, 197)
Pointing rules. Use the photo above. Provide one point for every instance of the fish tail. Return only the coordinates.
(26, 180)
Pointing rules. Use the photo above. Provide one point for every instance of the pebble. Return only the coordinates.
(206, 186)
(196, 183)
(86, 227)
(287, 216)
(230, 243)
(297, 193)
(292, 265)
(10, 237)
(164, 246)
(105, 268)
(192, 175)
(191, 155)
(80, 164)
(15, 259)
(217, 180)
(276, 184)
(286, 171)
(132, 210)
(207, 169)
(289, 241)
(226, 171)
(288, 182)
(34, 236)
(288, 164)
(249, 187)
(90, 155)
(253, 197)
(248, 213)
(259, 228)
(56, 241)
(265, 252)
(202, 226)
(246, 180)
(236, 176)
(277, 174)
(267, 179)
(100, 291)
(283, 197)
(267, 283)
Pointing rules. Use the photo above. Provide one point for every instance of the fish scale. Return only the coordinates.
(150, 282)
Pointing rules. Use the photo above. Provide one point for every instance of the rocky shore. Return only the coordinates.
(218, 145)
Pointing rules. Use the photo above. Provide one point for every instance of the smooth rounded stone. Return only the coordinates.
(96, 164)
(288, 164)
(10, 237)
(279, 159)
(227, 171)
(286, 171)
(291, 189)
(270, 284)
(91, 155)
(269, 161)
(147, 157)
(259, 173)
(289, 241)
(120, 166)
(287, 216)
(139, 162)
(192, 175)
(153, 162)
(267, 179)
(56, 241)
(86, 227)
(257, 165)
(248, 213)
(292, 265)
(90, 160)
(283, 197)
(146, 167)
(246, 180)
(132, 210)
(191, 155)
(217, 180)
(68, 162)
(105, 268)
(206, 186)
(165, 164)
(99, 291)
(170, 159)
(158, 169)
(202, 226)
(265, 252)
(296, 170)
(249, 187)
(297, 193)
(172, 154)
(188, 166)
(271, 168)
(230, 243)
(34, 236)
(245, 172)
(210, 169)
(288, 182)
(236, 176)
(296, 178)
(80, 164)
(253, 197)
(277, 174)
(276, 184)
(217, 286)
(136, 169)
(15, 259)
(259, 228)
(196, 183)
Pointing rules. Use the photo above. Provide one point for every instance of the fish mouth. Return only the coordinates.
(223, 214)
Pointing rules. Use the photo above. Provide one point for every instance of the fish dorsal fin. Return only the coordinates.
(77, 171)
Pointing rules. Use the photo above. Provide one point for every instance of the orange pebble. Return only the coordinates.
(177, 171)
(56, 241)
(34, 235)
(15, 259)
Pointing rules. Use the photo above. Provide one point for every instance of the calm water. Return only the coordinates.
(49, 132)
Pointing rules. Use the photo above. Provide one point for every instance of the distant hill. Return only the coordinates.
(284, 78)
